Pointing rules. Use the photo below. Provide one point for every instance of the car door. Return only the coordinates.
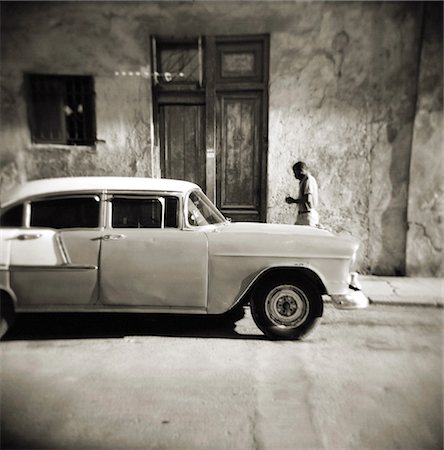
(54, 258)
(147, 260)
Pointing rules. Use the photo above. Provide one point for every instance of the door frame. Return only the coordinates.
(258, 82)
(205, 92)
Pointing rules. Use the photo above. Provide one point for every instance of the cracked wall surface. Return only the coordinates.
(342, 99)
(74, 41)
(342, 96)
(425, 235)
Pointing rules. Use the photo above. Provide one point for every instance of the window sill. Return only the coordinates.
(49, 146)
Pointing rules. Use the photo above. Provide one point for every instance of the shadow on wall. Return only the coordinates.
(394, 218)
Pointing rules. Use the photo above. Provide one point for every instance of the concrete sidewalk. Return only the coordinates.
(403, 290)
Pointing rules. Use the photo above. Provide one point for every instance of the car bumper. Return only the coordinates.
(351, 300)
(354, 298)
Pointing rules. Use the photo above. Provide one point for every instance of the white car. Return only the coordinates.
(113, 244)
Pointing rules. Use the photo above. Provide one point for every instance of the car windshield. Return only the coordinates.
(201, 211)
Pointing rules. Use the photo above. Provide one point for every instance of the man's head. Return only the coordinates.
(300, 170)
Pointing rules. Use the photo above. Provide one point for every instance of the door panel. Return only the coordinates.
(239, 155)
(154, 267)
(183, 142)
(54, 287)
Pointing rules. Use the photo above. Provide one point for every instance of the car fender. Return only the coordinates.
(227, 290)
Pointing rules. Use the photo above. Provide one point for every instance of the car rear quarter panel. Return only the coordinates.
(35, 269)
(16, 250)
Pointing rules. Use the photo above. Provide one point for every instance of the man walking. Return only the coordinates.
(308, 196)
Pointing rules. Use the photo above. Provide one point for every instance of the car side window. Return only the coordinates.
(201, 211)
(136, 213)
(12, 217)
(69, 212)
(145, 212)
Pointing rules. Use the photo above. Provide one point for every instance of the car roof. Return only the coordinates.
(50, 186)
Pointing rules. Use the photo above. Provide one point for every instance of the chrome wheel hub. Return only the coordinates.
(287, 306)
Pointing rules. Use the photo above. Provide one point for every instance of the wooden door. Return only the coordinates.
(211, 97)
(241, 117)
(182, 142)
(239, 155)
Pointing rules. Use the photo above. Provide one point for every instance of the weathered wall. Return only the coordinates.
(342, 99)
(425, 236)
(74, 41)
(343, 80)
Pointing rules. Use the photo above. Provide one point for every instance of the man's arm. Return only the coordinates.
(306, 198)
(291, 200)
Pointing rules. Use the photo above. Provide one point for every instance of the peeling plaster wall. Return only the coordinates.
(425, 236)
(343, 80)
(74, 40)
(342, 99)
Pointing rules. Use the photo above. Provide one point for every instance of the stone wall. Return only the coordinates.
(425, 237)
(343, 80)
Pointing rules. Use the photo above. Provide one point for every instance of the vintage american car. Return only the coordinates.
(115, 244)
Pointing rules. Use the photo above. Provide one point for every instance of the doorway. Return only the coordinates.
(211, 114)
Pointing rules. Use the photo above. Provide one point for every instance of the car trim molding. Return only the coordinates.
(63, 252)
(261, 255)
(111, 309)
(22, 268)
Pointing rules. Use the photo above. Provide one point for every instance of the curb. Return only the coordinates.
(426, 303)
(404, 291)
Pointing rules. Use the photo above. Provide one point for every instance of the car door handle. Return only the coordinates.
(28, 237)
(113, 237)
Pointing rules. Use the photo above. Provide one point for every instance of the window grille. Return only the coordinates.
(178, 62)
(61, 109)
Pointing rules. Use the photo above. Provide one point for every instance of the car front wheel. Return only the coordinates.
(286, 309)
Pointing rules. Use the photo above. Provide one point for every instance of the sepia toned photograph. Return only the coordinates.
(221, 225)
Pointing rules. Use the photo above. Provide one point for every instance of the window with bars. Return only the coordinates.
(61, 109)
(178, 62)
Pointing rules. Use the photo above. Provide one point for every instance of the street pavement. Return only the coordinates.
(364, 379)
(403, 290)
